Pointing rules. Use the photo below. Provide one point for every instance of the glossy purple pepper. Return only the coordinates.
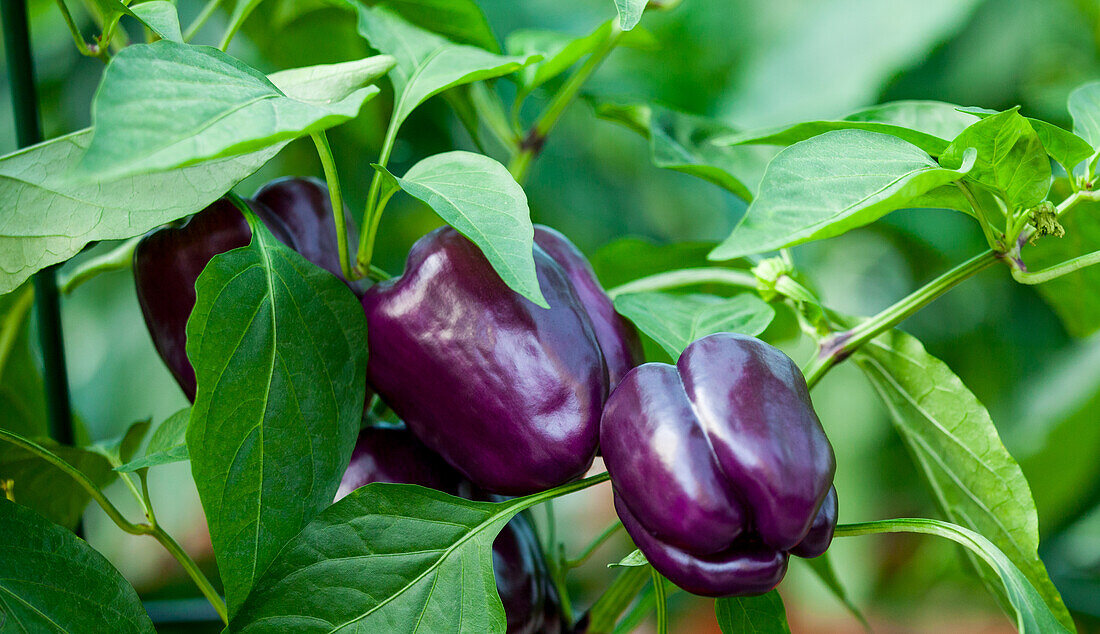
(618, 339)
(507, 392)
(387, 454)
(720, 466)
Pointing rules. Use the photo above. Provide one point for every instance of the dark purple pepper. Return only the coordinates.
(168, 261)
(622, 349)
(304, 206)
(720, 465)
(394, 455)
(507, 392)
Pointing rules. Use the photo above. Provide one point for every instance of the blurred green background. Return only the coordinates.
(750, 63)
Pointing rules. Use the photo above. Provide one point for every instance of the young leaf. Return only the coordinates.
(48, 218)
(928, 125)
(167, 445)
(674, 321)
(1084, 107)
(975, 481)
(477, 196)
(1033, 616)
(830, 184)
(279, 350)
(53, 581)
(1074, 297)
(764, 614)
(386, 558)
(121, 449)
(630, 12)
(689, 144)
(161, 18)
(45, 488)
(635, 558)
(166, 105)
(1063, 146)
(1011, 159)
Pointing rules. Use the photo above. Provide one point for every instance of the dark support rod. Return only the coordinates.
(17, 46)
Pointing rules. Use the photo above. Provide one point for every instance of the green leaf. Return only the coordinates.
(1033, 616)
(477, 196)
(461, 21)
(674, 321)
(428, 64)
(48, 218)
(279, 350)
(166, 105)
(120, 450)
(53, 581)
(1011, 159)
(764, 614)
(559, 52)
(928, 125)
(690, 144)
(975, 481)
(635, 558)
(1074, 297)
(167, 445)
(1084, 107)
(45, 488)
(22, 398)
(161, 18)
(630, 12)
(822, 567)
(426, 558)
(1065, 147)
(830, 184)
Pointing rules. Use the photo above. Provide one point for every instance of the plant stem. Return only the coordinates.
(661, 601)
(324, 152)
(110, 509)
(192, 570)
(119, 258)
(841, 345)
(605, 613)
(1056, 271)
(686, 277)
(1073, 199)
(596, 543)
(372, 215)
(28, 131)
(536, 136)
(81, 44)
(208, 10)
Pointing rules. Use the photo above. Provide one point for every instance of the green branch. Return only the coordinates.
(119, 258)
(686, 277)
(587, 553)
(1056, 271)
(324, 152)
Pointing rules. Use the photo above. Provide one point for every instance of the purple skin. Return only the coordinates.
(394, 455)
(720, 465)
(622, 349)
(169, 260)
(507, 392)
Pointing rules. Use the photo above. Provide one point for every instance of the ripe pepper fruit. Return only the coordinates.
(719, 465)
(392, 454)
(507, 392)
(168, 260)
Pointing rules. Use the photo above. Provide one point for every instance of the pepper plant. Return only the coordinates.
(479, 384)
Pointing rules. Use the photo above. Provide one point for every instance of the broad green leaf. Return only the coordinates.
(830, 184)
(330, 83)
(688, 143)
(764, 614)
(241, 10)
(279, 350)
(950, 434)
(674, 321)
(428, 64)
(1011, 159)
(635, 558)
(460, 21)
(1033, 616)
(48, 218)
(630, 12)
(1063, 146)
(166, 105)
(1074, 297)
(53, 581)
(929, 125)
(386, 558)
(477, 196)
(161, 18)
(45, 488)
(168, 443)
(1084, 107)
